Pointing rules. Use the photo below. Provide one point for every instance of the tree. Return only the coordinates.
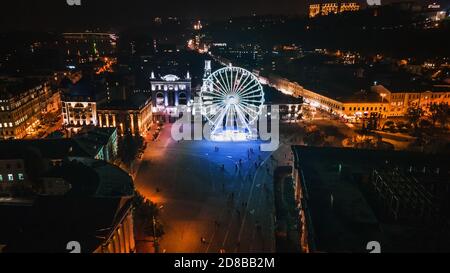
(389, 124)
(425, 124)
(414, 114)
(128, 148)
(440, 112)
(146, 214)
(35, 166)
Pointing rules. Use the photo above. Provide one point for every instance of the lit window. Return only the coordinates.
(10, 124)
(1, 178)
(20, 176)
(10, 177)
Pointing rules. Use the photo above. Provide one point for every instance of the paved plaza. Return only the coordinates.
(223, 194)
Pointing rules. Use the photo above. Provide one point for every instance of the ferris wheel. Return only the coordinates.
(232, 99)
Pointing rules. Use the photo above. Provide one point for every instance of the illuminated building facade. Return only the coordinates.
(380, 100)
(79, 112)
(329, 8)
(133, 115)
(314, 10)
(348, 7)
(169, 92)
(400, 101)
(22, 104)
(79, 103)
(121, 237)
(332, 8)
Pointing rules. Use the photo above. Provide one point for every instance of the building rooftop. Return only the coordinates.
(91, 177)
(47, 148)
(85, 89)
(85, 144)
(343, 216)
(405, 82)
(273, 96)
(13, 87)
(134, 102)
(362, 97)
(51, 222)
(91, 139)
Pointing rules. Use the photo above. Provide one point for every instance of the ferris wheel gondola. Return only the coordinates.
(232, 99)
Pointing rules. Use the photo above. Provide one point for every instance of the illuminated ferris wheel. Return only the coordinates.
(232, 99)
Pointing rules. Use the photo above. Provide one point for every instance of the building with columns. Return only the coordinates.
(133, 115)
(169, 92)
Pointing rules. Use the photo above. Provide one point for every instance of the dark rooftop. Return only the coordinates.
(10, 88)
(343, 217)
(134, 102)
(273, 96)
(48, 148)
(51, 222)
(85, 144)
(84, 88)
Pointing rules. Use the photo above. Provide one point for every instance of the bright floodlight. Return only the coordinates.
(232, 99)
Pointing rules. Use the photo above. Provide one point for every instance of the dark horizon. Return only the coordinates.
(56, 14)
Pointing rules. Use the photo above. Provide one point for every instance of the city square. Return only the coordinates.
(221, 191)
(233, 135)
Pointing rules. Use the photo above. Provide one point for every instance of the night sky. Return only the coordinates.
(38, 14)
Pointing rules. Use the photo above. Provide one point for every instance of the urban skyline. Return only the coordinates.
(56, 14)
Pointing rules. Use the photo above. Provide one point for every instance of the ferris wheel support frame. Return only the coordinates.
(232, 99)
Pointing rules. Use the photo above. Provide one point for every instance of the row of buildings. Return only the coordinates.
(82, 101)
(23, 103)
(133, 113)
(332, 8)
(379, 99)
(431, 10)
